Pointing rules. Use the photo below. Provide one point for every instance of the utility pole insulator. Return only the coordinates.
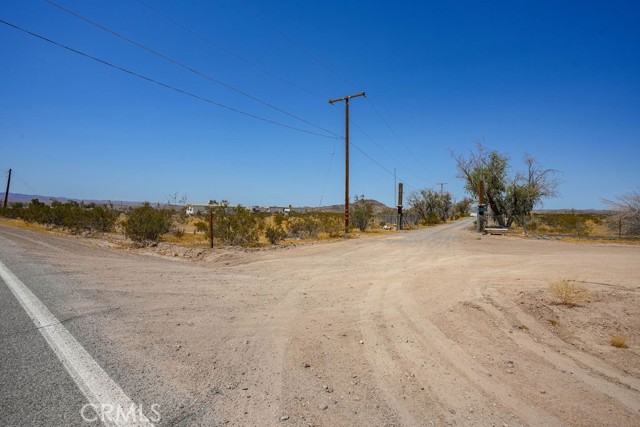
(346, 143)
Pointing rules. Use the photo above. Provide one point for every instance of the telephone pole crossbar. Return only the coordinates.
(346, 142)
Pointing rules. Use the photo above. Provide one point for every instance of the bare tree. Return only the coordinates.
(625, 216)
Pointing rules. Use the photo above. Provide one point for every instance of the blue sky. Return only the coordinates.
(557, 80)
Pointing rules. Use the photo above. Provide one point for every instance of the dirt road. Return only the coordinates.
(432, 327)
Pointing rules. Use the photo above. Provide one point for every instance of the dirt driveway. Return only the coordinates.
(433, 327)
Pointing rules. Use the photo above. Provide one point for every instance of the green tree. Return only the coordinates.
(510, 198)
(461, 208)
(432, 207)
(146, 223)
(361, 213)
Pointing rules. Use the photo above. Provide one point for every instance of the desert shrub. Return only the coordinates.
(332, 224)
(278, 219)
(275, 233)
(236, 226)
(201, 227)
(361, 213)
(566, 223)
(179, 233)
(102, 219)
(568, 292)
(432, 219)
(14, 210)
(619, 341)
(36, 211)
(146, 223)
(73, 216)
(303, 226)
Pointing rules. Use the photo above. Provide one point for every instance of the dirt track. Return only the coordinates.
(433, 327)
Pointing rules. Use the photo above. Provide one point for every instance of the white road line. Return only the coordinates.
(105, 396)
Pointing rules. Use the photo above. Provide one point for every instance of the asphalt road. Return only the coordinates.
(36, 388)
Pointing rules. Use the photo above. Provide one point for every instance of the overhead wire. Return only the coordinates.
(326, 178)
(227, 51)
(293, 42)
(332, 71)
(165, 85)
(186, 67)
(21, 180)
(299, 47)
(395, 134)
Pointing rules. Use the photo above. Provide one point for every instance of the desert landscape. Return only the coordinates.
(439, 326)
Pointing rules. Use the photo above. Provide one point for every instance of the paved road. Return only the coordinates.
(36, 388)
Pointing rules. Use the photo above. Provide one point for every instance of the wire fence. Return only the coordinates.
(408, 220)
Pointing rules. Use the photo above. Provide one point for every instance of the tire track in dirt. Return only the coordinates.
(594, 372)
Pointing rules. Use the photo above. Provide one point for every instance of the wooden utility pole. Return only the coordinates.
(6, 193)
(346, 143)
(211, 229)
(441, 184)
(400, 206)
(481, 206)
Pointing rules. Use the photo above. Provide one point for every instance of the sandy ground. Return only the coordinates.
(440, 326)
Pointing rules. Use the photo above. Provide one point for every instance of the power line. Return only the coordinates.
(294, 43)
(186, 67)
(227, 51)
(378, 164)
(326, 178)
(165, 85)
(331, 70)
(25, 183)
(395, 134)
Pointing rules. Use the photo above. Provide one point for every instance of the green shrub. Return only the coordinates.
(102, 219)
(147, 224)
(236, 226)
(332, 224)
(303, 226)
(432, 219)
(361, 213)
(275, 234)
(201, 227)
(278, 219)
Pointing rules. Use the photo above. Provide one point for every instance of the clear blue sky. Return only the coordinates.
(556, 79)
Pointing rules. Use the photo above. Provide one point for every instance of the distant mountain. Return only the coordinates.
(378, 207)
(26, 198)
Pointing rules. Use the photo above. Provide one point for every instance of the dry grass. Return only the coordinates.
(619, 341)
(31, 226)
(554, 322)
(568, 292)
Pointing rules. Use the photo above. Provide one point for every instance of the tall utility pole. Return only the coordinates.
(6, 193)
(346, 144)
(394, 184)
(441, 184)
(399, 227)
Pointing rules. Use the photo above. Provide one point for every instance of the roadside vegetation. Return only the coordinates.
(239, 226)
(71, 216)
(510, 195)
